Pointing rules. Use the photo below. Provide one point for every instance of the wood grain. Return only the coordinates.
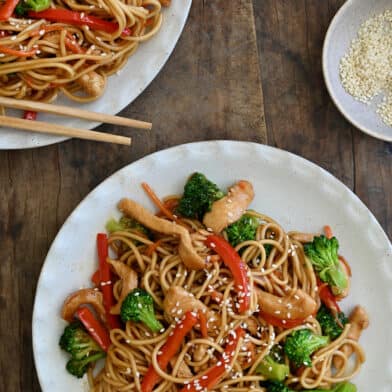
(209, 89)
(301, 117)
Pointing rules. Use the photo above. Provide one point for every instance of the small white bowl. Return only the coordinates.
(342, 30)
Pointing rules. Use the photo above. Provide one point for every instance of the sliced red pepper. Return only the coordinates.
(210, 378)
(168, 350)
(106, 284)
(30, 115)
(7, 9)
(75, 18)
(94, 327)
(237, 267)
(327, 298)
(96, 277)
(17, 53)
(276, 322)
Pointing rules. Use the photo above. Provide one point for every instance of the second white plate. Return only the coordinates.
(122, 89)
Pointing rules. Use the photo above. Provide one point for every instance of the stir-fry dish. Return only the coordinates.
(205, 294)
(49, 47)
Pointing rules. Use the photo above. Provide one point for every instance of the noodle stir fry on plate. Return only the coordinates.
(207, 294)
(53, 46)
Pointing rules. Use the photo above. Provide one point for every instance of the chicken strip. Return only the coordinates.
(128, 282)
(178, 301)
(230, 208)
(185, 248)
(92, 83)
(298, 305)
(83, 297)
(359, 320)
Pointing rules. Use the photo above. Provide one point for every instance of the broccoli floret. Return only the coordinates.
(323, 254)
(330, 325)
(126, 224)
(35, 5)
(276, 386)
(272, 370)
(199, 194)
(342, 387)
(77, 342)
(82, 347)
(301, 344)
(78, 367)
(242, 230)
(138, 306)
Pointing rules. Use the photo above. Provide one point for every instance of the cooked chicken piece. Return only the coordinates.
(128, 282)
(301, 237)
(92, 83)
(178, 301)
(247, 355)
(298, 305)
(183, 369)
(230, 208)
(359, 320)
(185, 249)
(83, 297)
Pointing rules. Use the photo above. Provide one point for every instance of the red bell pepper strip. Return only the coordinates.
(106, 280)
(327, 298)
(7, 9)
(74, 18)
(237, 267)
(276, 322)
(94, 327)
(96, 277)
(30, 115)
(168, 350)
(210, 378)
(17, 53)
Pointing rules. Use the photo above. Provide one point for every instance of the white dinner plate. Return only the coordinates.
(295, 192)
(122, 88)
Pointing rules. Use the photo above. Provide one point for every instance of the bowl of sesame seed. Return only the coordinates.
(357, 65)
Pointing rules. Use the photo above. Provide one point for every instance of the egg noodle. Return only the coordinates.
(41, 58)
(159, 268)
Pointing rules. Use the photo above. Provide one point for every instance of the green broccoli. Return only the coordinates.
(242, 230)
(330, 325)
(126, 224)
(138, 306)
(323, 254)
(301, 344)
(34, 5)
(276, 386)
(78, 367)
(199, 194)
(83, 349)
(341, 387)
(272, 370)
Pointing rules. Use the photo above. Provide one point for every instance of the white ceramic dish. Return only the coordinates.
(342, 30)
(122, 89)
(290, 189)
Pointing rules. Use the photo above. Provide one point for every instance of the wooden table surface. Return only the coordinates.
(240, 71)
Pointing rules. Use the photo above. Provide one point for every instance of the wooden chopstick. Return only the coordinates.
(60, 130)
(72, 112)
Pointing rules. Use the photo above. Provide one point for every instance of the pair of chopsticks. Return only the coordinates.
(60, 130)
